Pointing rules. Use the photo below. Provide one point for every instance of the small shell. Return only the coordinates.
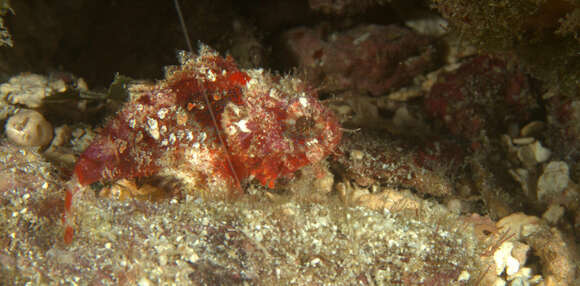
(29, 128)
(533, 129)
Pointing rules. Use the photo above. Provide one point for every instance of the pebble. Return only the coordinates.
(405, 94)
(454, 206)
(553, 214)
(522, 177)
(429, 25)
(325, 183)
(463, 276)
(504, 260)
(144, 282)
(520, 252)
(520, 225)
(524, 274)
(553, 180)
(29, 128)
(523, 140)
(356, 155)
(25, 89)
(532, 154)
(499, 282)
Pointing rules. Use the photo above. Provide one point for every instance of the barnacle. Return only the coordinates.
(29, 128)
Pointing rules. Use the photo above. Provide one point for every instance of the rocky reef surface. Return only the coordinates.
(458, 161)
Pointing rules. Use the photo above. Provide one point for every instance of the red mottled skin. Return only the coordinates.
(272, 126)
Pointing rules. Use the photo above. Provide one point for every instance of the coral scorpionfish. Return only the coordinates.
(270, 126)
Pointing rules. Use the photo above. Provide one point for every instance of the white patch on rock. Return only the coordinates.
(361, 38)
(463, 276)
(189, 135)
(273, 93)
(303, 101)
(162, 113)
(172, 138)
(504, 260)
(211, 76)
(202, 136)
(312, 142)
(153, 128)
(242, 125)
